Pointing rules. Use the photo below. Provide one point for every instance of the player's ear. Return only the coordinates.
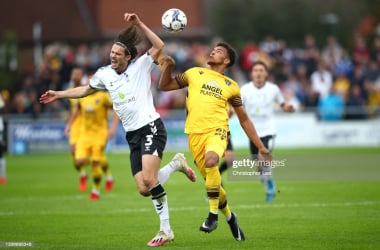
(227, 61)
(128, 57)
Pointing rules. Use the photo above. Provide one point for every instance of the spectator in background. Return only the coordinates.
(373, 99)
(358, 76)
(331, 106)
(248, 55)
(311, 54)
(375, 52)
(3, 175)
(372, 71)
(355, 108)
(332, 52)
(342, 85)
(344, 65)
(295, 91)
(321, 80)
(360, 54)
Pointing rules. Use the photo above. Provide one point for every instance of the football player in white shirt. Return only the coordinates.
(259, 97)
(128, 80)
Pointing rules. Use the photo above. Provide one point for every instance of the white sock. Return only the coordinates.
(162, 209)
(2, 167)
(165, 172)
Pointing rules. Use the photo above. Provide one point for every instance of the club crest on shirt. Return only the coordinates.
(121, 95)
(228, 83)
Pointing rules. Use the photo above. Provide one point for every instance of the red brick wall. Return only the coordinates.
(110, 12)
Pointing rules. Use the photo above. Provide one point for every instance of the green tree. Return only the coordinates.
(240, 20)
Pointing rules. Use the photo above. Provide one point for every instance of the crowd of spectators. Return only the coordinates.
(336, 82)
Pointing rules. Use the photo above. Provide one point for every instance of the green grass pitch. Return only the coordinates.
(326, 199)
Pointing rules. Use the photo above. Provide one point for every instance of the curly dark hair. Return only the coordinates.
(230, 51)
(129, 37)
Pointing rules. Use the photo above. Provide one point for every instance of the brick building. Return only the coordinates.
(78, 21)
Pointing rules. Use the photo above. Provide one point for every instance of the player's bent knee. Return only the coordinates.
(149, 181)
(143, 190)
(211, 163)
(211, 160)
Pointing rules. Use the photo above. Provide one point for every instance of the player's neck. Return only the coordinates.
(259, 85)
(121, 70)
(218, 68)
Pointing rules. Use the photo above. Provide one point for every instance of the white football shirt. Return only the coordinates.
(259, 105)
(129, 91)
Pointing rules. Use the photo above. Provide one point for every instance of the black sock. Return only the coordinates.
(223, 167)
(157, 192)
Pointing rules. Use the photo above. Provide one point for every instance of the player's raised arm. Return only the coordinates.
(78, 92)
(157, 43)
(167, 82)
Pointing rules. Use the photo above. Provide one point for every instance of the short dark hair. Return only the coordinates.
(260, 63)
(230, 51)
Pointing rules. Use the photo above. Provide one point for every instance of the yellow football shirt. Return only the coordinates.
(209, 93)
(94, 112)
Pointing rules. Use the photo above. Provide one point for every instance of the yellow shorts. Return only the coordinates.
(91, 147)
(199, 144)
(74, 135)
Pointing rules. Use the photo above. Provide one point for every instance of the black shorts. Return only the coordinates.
(268, 142)
(150, 139)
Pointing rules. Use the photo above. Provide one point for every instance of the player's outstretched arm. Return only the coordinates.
(167, 82)
(78, 92)
(250, 130)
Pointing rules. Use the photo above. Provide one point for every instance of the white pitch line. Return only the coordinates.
(193, 208)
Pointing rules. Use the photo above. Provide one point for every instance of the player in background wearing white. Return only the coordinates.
(128, 80)
(3, 175)
(259, 97)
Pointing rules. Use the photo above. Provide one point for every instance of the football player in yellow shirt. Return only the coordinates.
(93, 135)
(73, 130)
(209, 94)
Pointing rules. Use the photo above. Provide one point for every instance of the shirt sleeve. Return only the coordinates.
(235, 100)
(96, 80)
(146, 61)
(279, 97)
(181, 80)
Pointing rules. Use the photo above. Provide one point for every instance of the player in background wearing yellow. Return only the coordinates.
(93, 135)
(128, 80)
(72, 129)
(209, 94)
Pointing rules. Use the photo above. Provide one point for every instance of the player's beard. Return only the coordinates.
(212, 63)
